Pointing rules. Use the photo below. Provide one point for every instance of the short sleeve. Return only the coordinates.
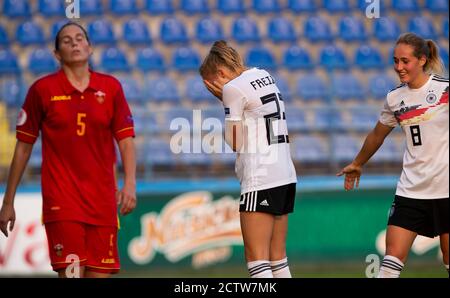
(123, 125)
(30, 117)
(387, 117)
(233, 102)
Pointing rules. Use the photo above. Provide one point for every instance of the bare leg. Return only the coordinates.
(93, 274)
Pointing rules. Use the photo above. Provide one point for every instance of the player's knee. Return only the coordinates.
(256, 253)
(398, 253)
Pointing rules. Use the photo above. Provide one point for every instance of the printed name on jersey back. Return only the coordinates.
(262, 82)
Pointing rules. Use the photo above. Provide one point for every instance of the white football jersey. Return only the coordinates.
(423, 115)
(265, 160)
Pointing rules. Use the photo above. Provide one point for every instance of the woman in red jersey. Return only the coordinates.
(79, 113)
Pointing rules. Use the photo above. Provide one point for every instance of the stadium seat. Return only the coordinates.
(244, 29)
(422, 26)
(333, 6)
(123, 7)
(364, 118)
(302, 6)
(162, 89)
(445, 28)
(347, 86)
(328, 119)
(196, 91)
(317, 29)
(4, 40)
(362, 5)
(114, 59)
(352, 29)
(36, 155)
(135, 31)
(380, 85)
(283, 86)
(101, 32)
(42, 61)
(8, 62)
(345, 147)
(209, 30)
(131, 88)
(195, 159)
(50, 8)
(157, 7)
(11, 92)
(231, 6)
(160, 152)
(91, 8)
(194, 6)
(309, 148)
(312, 87)
(215, 111)
(266, 6)
(186, 59)
(296, 57)
(388, 152)
(332, 58)
(173, 31)
(405, 6)
(16, 8)
(144, 120)
(443, 52)
(367, 57)
(30, 33)
(437, 6)
(296, 120)
(150, 59)
(386, 29)
(55, 28)
(261, 57)
(281, 30)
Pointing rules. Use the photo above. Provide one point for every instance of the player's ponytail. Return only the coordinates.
(425, 48)
(221, 54)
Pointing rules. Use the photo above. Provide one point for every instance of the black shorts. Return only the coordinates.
(278, 200)
(428, 218)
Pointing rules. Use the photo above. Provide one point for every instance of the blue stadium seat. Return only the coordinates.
(11, 91)
(173, 31)
(195, 159)
(196, 90)
(386, 29)
(157, 7)
(296, 120)
(8, 62)
(317, 29)
(50, 8)
(160, 152)
(162, 89)
(334, 6)
(347, 86)
(4, 40)
(333, 57)
(91, 8)
(312, 87)
(114, 59)
(231, 6)
(150, 59)
(16, 8)
(244, 29)
(195, 6)
(209, 30)
(422, 26)
(296, 57)
(380, 85)
(135, 31)
(144, 121)
(266, 6)
(29, 33)
(281, 29)
(36, 155)
(437, 6)
(283, 86)
(309, 148)
(352, 29)
(260, 56)
(131, 88)
(443, 52)
(302, 6)
(364, 118)
(42, 61)
(214, 111)
(101, 32)
(388, 152)
(445, 28)
(123, 7)
(327, 119)
(186, 59)
(405, 6)
(56, 26)
(345, 147)
(368, 57)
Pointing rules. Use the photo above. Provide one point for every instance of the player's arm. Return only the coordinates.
(19, 162)
(127, 195)
(234, 134)
(234, 103)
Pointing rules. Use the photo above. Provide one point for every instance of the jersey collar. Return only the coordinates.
(69, 88)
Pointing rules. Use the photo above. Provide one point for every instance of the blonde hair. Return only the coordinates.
(425, 48)
(221, 54)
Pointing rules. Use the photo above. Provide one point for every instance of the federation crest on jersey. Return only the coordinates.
(431, 98)
(58, 249)
(100, 96)
(21, 118)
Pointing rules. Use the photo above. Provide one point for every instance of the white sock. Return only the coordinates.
(446, 266)
(259, 269)
(280, 269)
(390, 267)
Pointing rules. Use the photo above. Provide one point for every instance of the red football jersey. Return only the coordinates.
(78, 154)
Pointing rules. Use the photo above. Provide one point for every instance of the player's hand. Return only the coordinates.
(214, 88)
(7, 215)
(352, 174)
(126, 199)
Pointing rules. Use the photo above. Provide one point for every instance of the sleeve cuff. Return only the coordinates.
(124, 133)
(25, 137)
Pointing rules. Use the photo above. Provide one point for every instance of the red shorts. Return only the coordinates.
(94, 247)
